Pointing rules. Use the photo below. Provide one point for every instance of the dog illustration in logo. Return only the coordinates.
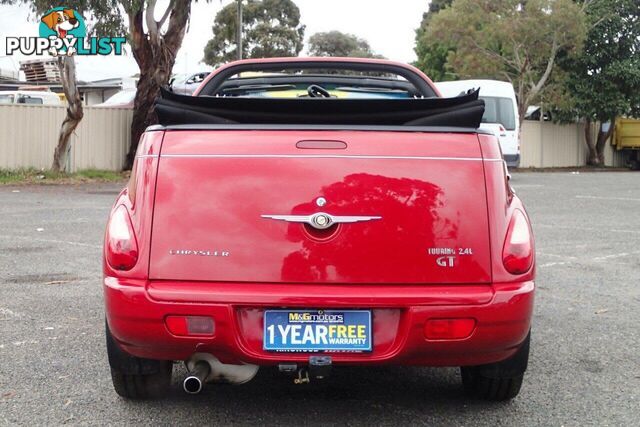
(61, 21)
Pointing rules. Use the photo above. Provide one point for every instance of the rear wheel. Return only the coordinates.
(135, 377)
(497, 381)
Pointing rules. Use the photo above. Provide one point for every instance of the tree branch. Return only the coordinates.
(152, 25)
(177, 24)
(547, 72)
(493, 54)
(132, 22)
(165, 15)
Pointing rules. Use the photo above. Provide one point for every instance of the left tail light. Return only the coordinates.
(517, 254)
(190, 325)
(122, 247)
(449, 329)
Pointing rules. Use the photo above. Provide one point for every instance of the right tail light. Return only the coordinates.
(517, 254)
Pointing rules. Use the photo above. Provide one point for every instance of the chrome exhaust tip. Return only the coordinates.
(192, 385)
(194, 382)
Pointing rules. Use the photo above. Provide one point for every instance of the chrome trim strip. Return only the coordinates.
(307, 128)
(325, 156)
(147, 156)
(322, 220)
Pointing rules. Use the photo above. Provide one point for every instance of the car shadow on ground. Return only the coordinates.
(373, 393)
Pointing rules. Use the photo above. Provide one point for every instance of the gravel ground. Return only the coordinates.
(584, 368)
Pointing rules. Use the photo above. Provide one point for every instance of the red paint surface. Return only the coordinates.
(502, 311)
(205, 190)
(437, 202)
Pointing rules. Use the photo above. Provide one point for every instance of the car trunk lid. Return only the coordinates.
(225, 200)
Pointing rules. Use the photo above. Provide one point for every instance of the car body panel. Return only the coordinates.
(29, 97)
(121, 99)
(186, 84)
(207, 189)
(418, 185)
(503, 313)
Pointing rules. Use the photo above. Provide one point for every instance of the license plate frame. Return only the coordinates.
(356, 325)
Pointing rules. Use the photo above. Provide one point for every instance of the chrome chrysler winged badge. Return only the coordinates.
(322, 220)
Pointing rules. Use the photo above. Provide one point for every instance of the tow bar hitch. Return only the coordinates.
(303, 377)
(319, 368)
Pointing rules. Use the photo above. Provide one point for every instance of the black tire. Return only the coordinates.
(135, 377)
(497, 381)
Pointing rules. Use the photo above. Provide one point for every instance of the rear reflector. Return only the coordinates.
(190, 325)
(448, 329)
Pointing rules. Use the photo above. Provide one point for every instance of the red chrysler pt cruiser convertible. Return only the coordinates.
(300, 213)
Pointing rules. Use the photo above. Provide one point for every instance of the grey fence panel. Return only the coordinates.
(29, 134)
(545, 145)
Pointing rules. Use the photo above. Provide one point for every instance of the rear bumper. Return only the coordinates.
(513, 160)
(136, 310)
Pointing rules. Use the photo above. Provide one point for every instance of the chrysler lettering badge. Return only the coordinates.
(199, 253)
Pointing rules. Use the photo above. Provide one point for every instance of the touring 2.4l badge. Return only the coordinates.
(447, 257)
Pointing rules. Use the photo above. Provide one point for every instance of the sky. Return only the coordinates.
(389, 30)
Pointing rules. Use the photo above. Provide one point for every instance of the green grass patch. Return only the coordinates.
(100, 175)
(35, 176)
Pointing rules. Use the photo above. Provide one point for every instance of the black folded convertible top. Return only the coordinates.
(463, 111)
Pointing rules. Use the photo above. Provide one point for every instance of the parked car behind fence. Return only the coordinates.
(29, 97)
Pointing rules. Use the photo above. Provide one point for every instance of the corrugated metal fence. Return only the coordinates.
(29, 134)
(546, 145)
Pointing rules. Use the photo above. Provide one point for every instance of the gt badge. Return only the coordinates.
(446, 261)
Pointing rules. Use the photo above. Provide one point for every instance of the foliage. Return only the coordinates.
(270, 28)
(336, 43)
(98, 14)
(508, 40)
(602, 81)
(432, 54)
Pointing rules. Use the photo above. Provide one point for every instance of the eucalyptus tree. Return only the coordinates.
(270, 28)
(510, 40)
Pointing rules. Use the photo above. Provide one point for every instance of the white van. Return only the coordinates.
(29, 97)
(500, 114)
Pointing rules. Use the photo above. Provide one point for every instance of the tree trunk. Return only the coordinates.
(522, 112)
(155, 54)
(603, 137)
(592, 154)
(144, 114)
(67, 66)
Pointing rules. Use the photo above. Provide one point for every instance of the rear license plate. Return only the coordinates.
(317, 330)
